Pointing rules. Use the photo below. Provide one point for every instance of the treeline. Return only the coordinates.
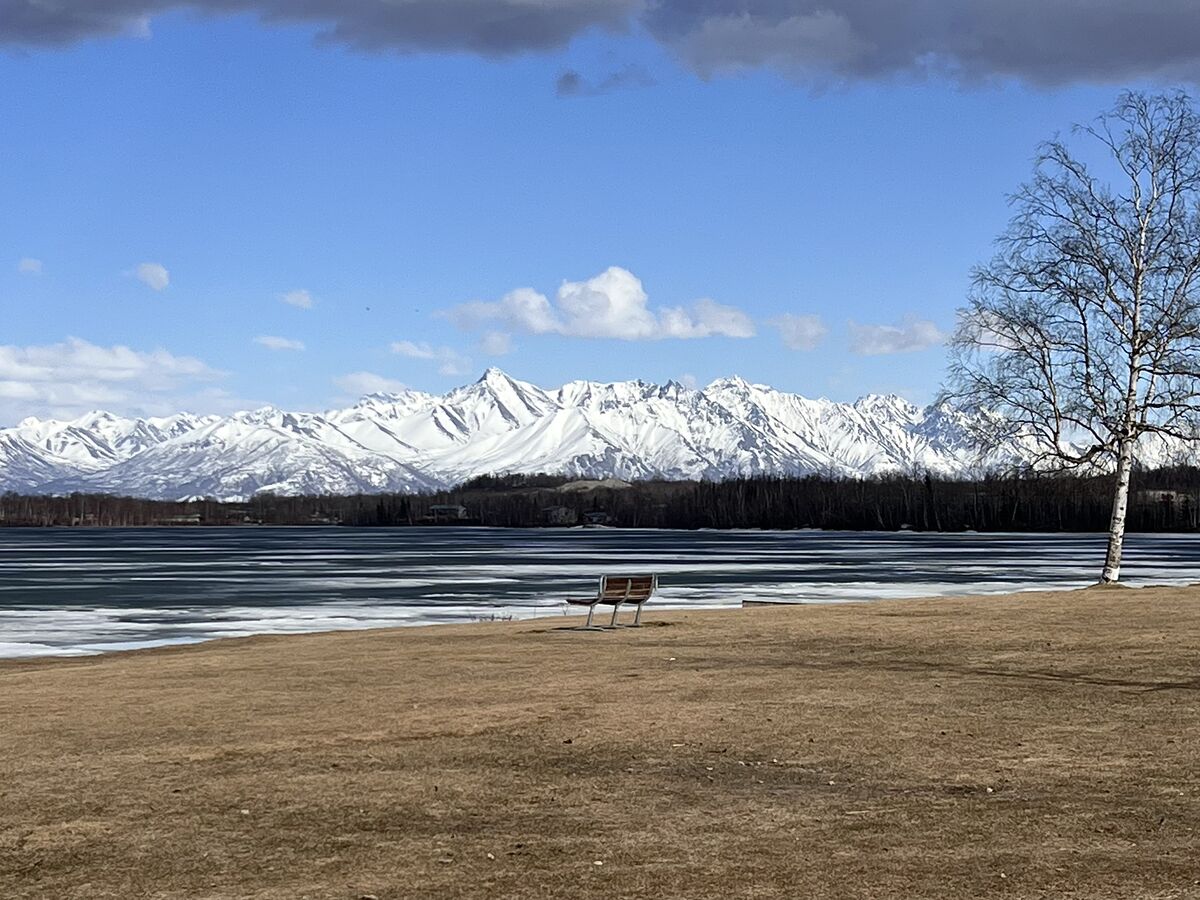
(1163, 500)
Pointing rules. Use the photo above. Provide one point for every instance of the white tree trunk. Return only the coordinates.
(1116, 527)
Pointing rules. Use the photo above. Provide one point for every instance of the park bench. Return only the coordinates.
(616, 591)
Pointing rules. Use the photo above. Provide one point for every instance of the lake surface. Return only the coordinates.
(80, 591)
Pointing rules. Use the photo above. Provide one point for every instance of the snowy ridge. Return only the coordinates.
(414, 441)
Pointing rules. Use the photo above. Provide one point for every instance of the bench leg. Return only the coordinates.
(616, 609)
(589, 625)
(637, 617)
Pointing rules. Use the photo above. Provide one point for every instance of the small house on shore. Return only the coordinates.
(185, 519)
(559, 516)
(447, 514)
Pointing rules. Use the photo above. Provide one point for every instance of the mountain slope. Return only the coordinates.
(237, 457)
(413, 441)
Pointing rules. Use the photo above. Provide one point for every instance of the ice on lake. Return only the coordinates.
(82, 591)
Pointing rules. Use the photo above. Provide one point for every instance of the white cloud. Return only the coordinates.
(29, 266)
(360, 383)
(153, 275)
(496, 343)
(450, 361)
(994, 334)
(523, 310)
(879, 340)
(75, 376)
(274, 342)
(705, 318)
(800, 332)
(414, 351)
(271, 342)
(300, 298)
(611, 305)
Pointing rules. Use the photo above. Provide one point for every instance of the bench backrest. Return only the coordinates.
(630, 588)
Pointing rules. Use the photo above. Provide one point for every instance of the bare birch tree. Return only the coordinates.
(1082, 335)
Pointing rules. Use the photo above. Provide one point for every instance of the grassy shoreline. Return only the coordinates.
(1021, 745)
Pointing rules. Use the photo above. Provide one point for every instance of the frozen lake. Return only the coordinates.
(78, 591)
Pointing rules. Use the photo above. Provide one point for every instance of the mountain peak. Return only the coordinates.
(492, 374)
(886, 406)
(731, 382)
(95, 415)
(262, 416)
(872, 401)
(672, 389)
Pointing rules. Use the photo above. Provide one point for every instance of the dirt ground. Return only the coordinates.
(1039, 745)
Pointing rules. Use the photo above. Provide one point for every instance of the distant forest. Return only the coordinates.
(1163, 500)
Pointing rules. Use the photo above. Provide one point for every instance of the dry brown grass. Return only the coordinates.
(1029, 746)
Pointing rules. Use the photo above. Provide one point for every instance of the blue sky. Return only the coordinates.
(170, 193)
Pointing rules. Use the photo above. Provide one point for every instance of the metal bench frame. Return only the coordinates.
(618, 590)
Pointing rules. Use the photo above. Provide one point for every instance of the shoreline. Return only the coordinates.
(485, 619)
(79, 653)
(732, 529)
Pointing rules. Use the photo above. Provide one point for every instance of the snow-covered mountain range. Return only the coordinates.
(414, 441)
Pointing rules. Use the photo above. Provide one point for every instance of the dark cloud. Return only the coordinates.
(31, 22)
(1038, 41)
(487, 27)
(572, 84)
